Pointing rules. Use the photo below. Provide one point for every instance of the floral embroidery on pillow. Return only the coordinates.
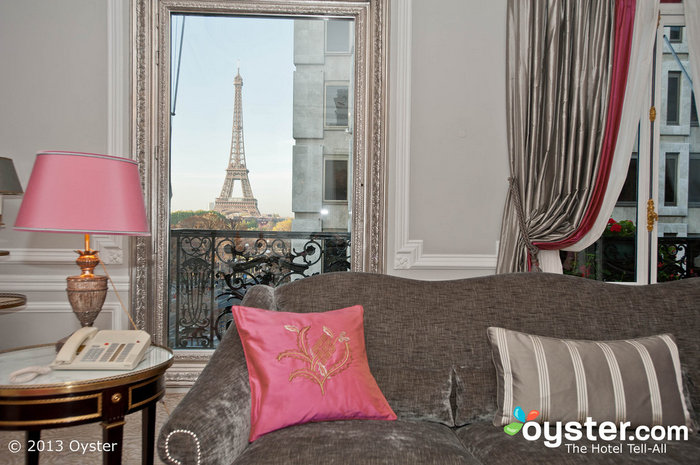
(320, 361)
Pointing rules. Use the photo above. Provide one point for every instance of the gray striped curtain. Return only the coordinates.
(558, 69)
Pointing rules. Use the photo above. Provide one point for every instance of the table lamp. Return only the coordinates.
(87, 193)
(9, 182)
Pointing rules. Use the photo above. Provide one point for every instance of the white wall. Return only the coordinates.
(448, 151)
(57, 93)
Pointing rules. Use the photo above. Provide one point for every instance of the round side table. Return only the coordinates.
(69, 398)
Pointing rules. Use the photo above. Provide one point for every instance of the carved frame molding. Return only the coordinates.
(150, 138)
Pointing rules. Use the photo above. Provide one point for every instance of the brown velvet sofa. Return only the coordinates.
(428, 350)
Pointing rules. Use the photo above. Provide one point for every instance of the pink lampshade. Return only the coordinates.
(83, 193)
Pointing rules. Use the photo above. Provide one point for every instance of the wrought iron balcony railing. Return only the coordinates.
(211, 270)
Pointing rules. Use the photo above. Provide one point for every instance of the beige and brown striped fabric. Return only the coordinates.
(635, 380)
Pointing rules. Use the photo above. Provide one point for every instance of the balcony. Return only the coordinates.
(211, 270)
(614, 259)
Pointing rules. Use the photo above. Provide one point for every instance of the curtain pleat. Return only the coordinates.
(636, 98)
(558, 70)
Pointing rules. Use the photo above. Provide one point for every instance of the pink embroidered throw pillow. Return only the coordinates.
(307, 367)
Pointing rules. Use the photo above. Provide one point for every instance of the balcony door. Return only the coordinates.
(654, 232)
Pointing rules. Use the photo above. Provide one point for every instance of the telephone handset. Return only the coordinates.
(102, 350)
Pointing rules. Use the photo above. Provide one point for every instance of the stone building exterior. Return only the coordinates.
(679, 148)
(679, 151)
(322, 125)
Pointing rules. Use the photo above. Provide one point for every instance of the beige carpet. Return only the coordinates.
(90, 433)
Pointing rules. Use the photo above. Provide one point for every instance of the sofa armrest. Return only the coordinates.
(211, 424)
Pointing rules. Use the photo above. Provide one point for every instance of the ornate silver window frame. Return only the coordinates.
(150, 141)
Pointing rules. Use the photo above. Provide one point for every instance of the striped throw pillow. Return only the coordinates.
(634, 380)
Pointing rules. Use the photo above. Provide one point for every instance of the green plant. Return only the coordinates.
(624, 228)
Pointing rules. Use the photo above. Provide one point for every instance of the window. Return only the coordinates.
(675, 34)
(336, 108)
(337, 36)
(628, 195)
(694, 180)
(335, 177)
(358, 243)
(671, 180)
(693, 111)
(673, 97)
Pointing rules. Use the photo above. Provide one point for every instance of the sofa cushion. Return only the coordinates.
(492, 446)
(359, 442)
(412, 326)
(634, 380)
(307, 367)
(416, 394)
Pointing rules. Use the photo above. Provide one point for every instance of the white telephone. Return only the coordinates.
(102, 350)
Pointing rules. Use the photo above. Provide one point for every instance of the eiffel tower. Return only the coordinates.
(226, 204)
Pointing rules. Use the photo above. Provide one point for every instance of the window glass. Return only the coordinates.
(628, 195)
(671, 180)
(253, 117)
(694, 180)
(336, 109)
(337, 36)
(336, 180)
(672, 97)
(675, 34)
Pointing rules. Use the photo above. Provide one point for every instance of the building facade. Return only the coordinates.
(322, 125)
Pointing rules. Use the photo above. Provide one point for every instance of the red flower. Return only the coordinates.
(611, 221)
(615, 228)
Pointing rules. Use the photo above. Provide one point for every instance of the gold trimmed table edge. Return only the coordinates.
(37, 390)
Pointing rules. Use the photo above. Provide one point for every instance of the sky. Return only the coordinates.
(213, 48)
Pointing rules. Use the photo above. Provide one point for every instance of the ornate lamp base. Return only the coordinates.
(86, 296)
(88, 291)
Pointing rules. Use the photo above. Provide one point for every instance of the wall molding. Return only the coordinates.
(110, 248)
(187, 367)
(22, 256)
(408, 253)
(50, 283)
(110, 308)
(117, 76)
(411, 257)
